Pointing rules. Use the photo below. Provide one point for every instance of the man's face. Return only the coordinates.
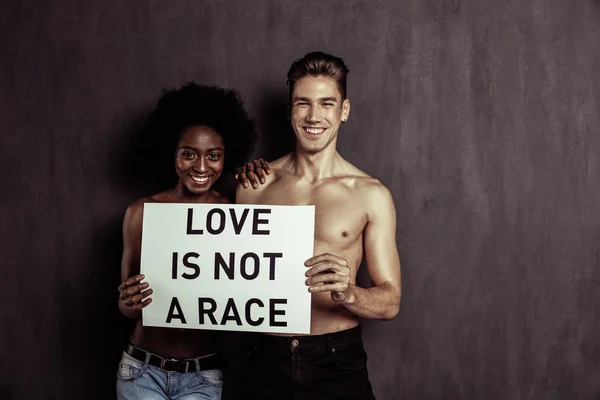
(317, 112)
(199, 159)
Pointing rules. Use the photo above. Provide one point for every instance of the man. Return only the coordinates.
(355, 217)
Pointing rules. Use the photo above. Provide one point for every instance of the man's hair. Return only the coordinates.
(200, 105)
(319, 64)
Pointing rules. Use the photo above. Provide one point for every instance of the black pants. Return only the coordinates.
(330, 366)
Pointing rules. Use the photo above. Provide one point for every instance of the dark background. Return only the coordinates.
(480, 116)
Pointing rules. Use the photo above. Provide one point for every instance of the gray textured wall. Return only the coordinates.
(480, 116)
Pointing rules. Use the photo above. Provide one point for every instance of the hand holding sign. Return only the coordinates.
(328, 273)
(133, 292)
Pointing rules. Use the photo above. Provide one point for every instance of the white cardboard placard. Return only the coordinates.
(234, 267)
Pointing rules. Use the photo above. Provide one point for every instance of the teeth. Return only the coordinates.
(200, 179)
(315, 131)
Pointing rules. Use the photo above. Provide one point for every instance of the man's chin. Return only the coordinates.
(311, 147)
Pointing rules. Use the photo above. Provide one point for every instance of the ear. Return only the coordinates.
(345, 110)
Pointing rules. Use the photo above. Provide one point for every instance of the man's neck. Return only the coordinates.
(314, 166)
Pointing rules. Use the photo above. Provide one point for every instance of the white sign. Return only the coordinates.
(233, 267)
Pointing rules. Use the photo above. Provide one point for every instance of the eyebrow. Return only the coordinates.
(320, 99)
(195, 149)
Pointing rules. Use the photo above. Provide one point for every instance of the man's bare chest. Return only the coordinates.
(339, 215)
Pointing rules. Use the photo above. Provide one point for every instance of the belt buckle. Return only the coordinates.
(172, 360)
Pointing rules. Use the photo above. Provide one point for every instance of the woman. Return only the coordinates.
(213, 135)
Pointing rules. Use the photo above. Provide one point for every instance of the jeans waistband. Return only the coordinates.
(208, 362)
(313, 344)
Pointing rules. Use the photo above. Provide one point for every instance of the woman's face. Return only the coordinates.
(200, 158)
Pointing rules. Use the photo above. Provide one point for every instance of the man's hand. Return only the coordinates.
(133, 293)
(253, 173)
(329, 273)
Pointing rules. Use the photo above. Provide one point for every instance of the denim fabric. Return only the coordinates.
(330, 366)
(137, 380)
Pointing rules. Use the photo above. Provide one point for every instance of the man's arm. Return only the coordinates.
(382, 300)
(132, 292)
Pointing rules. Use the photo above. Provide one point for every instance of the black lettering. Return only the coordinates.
(190, 217)
(209, 312)
(220, 262)
(174, 264)
(272, 257)
(230, 308)
(209, 221)
(249, 319)
(273, 312)
(175, 307)
(257, 221)
(243, 266)
(237, 226)
(191, 265)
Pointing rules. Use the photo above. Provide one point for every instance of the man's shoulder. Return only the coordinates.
(369, 184)
(376, 198)
(278, 170)
(361, 181)
(370, 190)
(281, 162)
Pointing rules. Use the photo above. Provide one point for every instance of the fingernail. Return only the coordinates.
(262, 181)
(245, 184)
(254, 185)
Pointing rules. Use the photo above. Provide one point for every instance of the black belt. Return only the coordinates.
(173, 365)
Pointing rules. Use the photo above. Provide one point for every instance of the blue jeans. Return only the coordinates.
(137, 380)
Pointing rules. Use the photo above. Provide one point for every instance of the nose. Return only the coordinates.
(201, 165)
(314, 114)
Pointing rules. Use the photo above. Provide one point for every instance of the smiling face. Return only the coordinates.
(200, 158)
(317, 112)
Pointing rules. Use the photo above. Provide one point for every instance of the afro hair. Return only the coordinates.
(199, 105)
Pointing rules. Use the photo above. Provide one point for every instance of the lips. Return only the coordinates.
(314, 131)
(201, 180)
